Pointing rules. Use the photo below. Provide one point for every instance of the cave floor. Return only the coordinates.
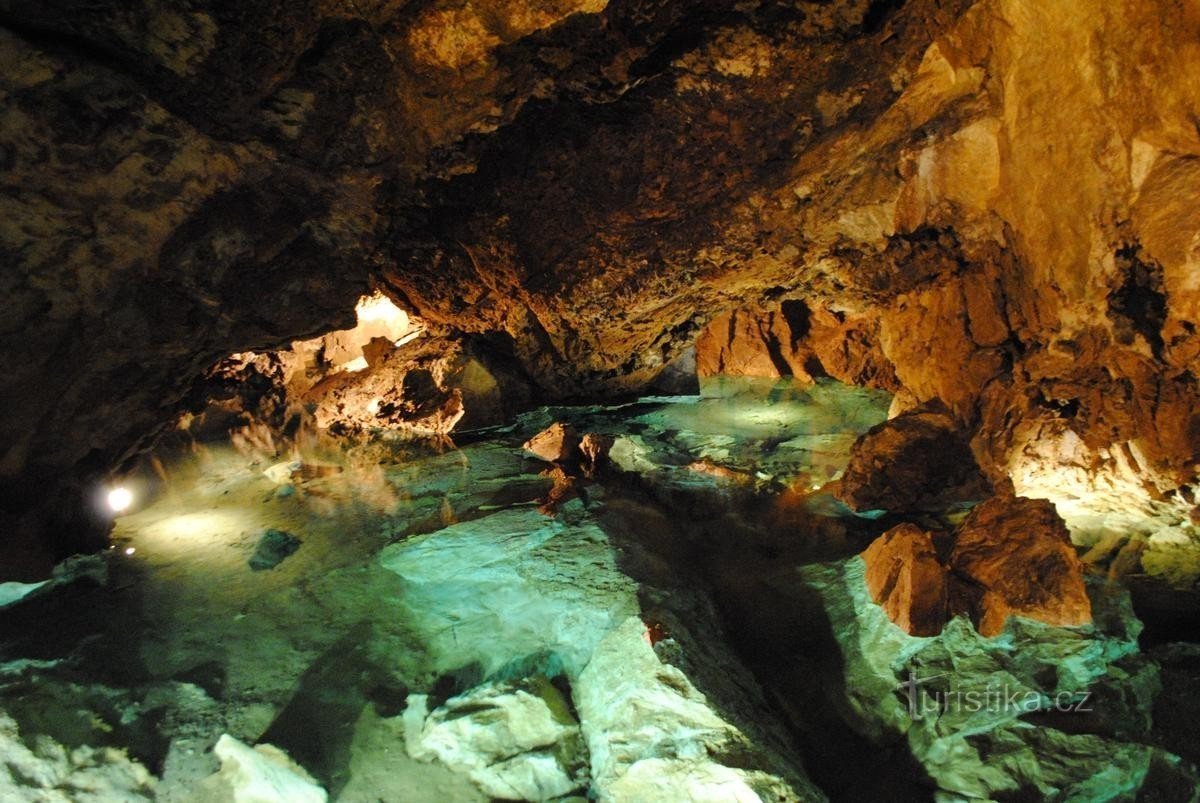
(703, 580)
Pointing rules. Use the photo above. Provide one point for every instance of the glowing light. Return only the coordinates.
(119, 499)
(379, 308)
(410, 337)
(130, 550)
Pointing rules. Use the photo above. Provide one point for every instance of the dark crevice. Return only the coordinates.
(1139, 305)
(878, 13)
(798, 317)
(775, 352)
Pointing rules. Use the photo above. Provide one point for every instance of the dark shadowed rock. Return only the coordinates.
(272, 549)
(916, 461)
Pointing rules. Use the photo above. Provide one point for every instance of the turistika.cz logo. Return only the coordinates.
(925, 701)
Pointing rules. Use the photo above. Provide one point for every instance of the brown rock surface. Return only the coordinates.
(431, 385)
(1010, 557)
(1001, 191)
(558, 443)
(1016, 552)
(794, 340)
(918, 460)
(905, 577)
(594, 449)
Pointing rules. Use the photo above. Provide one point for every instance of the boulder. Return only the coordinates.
(558, 443)
(906, 578)
(273, 548)
(514, 740)
(260, 774)
(1010, 557)
(652, 735)
(918, 460)
(1018, 553)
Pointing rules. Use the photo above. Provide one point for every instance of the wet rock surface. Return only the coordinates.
(582, 187)
(1010, 556)
(917, 460)
(666, 631)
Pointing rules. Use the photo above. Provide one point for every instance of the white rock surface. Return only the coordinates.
(49, 773)
(510, 585)
(653, 736)
(675, 779)
(261, 774)
(514, 743)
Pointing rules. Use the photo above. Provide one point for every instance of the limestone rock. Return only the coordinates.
(1018, 552)
(905, 577)
(558, 443)
(1011, 556)
(792, 339)
(180, 186)
(52, 773)
(516, 741)
(987, 747)
(512, 584)
(427, 387)
(260, 774)
(653, 736)
(916, 461)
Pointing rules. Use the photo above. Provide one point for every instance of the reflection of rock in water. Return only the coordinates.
(690, 620)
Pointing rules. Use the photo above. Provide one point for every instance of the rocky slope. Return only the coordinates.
(1001, 192)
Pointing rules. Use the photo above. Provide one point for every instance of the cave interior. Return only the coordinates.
(619, 400)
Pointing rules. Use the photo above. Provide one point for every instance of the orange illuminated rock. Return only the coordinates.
(906, 578)
(594, 449)
(1017, 552)
(557, 443)
(794, 339)
(1011, 557)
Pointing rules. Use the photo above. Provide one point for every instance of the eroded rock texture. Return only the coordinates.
(905, 576)
(1002, 192)
(916, 461)
(1011, 556)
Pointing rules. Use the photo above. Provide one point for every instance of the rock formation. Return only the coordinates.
(1046, 712)
(1010, 557)
(906, 577)
(558, 443)
(915, 461)
(998, 195)
(795, 340)
(514, 741)
(1017, 553)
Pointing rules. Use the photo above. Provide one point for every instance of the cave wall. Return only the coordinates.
(1006, 186)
